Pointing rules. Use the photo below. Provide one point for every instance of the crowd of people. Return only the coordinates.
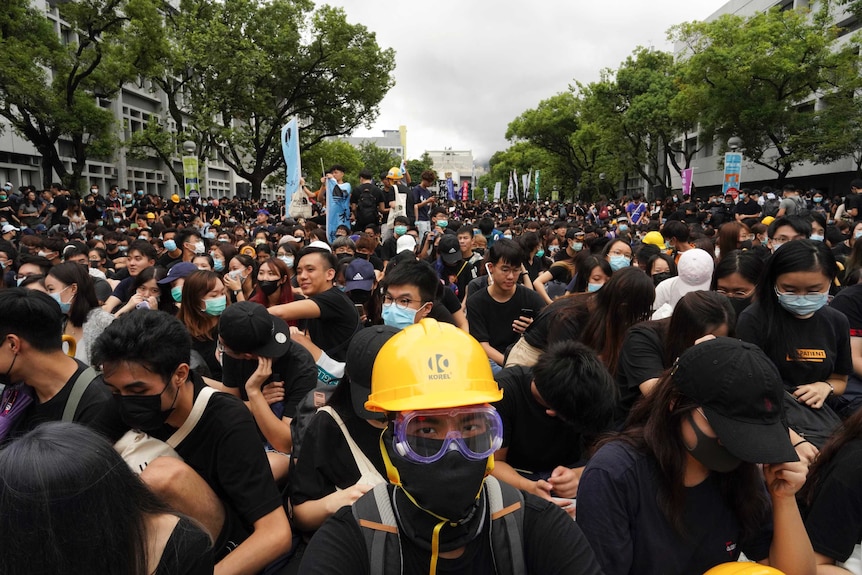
(433, 386)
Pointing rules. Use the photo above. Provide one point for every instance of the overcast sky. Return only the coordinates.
(469, 67)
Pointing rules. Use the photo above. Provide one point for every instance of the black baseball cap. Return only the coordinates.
(361, 354)
(742, 396)
(246, 327)
(449, 249)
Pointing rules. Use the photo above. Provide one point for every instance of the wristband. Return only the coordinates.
(801, 442)
(831, 388)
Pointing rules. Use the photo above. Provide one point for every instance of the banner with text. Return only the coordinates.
(732, 173)
(190, 175)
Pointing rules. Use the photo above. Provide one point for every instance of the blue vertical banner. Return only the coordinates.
(732, 173)
(450, 188)
(293, 168)
(337, 207)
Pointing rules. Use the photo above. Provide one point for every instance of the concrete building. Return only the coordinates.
(392, 140)
(133, 107)
(708, 176)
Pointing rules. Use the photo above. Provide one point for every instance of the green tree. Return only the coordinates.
(330, 152)
(54, 91)
(757, 79)
(376, 159)
(417, 166)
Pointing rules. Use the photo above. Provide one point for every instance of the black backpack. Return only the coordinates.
(366, 210)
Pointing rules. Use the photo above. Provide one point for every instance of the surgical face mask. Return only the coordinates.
(144, 412)
(619, 262)
(170, 245)
(218, 264)
(710, 452)
(7, 188)
(398, 318)
(64, 305)
(623, 228)
(594, 287)
(209, 235)
(553, 249)
(817, 199)
(42, 254)
(577, 246)
(401, 230)
(237, 275)
(118, 220)
(259, 241)
(802, 305)
(288, 260)
(97, 237)
(858, 235)
(200, 248)
(3, 197)
(215, 306)
(816, 238)
(123, 249)
(442, 223)
(507, 236)
(540, 253)
(177, 293)
(145, 238)
(94, 190)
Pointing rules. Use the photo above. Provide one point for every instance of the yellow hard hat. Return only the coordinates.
(216, 222)
(394, 174)
(767, 220)
(430, 365)
(743, 568)
(175, 199)
(654, 238)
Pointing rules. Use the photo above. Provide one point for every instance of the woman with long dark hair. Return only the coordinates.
(204, 300)
(651, 347)
(241, 277)
(680, 490)
(831, 506)
(71, 505)
(736, 276)
(808, 341)
(72, 287)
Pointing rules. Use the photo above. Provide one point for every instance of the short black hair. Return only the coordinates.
(414, 273)
(334, 167)
(33, 316)
(575, 383)
(153, 339)
(144, 248)
(184, 234)
(799, 224)
(327, 256)
(506, 250)
(365, 174)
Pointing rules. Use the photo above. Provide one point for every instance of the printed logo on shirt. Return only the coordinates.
(809, 355)
(730, 547)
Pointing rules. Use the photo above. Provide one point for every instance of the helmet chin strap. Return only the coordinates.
(395, 479)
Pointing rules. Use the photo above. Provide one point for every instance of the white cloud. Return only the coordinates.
(465, 69)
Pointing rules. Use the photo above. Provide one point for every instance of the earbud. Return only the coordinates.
(399, 447)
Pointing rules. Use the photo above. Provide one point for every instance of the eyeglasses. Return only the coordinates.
(426, 436)
(402, 302)
(737, 293)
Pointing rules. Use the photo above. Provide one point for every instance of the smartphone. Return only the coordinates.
(360, 309)
(143, 305)
(526, 312)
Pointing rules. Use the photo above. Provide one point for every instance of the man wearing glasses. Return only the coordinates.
(441, 512)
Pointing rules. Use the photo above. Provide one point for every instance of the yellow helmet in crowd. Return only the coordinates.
(743, 568)
(430, 365)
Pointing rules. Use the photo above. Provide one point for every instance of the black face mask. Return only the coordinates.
(660, 277)
(359, 295)
(144, 412)
(740, 304)
(342, 256)
(710, 452)
(268, 287)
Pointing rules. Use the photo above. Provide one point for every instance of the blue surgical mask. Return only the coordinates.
(400, 230)
(288, 260)
(145, 238)
(442, 223)
(816, 238)
(594, 287)
(540, 253)
(177, 293)
(858, 235)
(218, 265)
(802, 305)
(97, 237)
(64, 305)
(507, 236)
(623, 228)
(817, 200)
(209, 235)
(170, 245)
(619, 262)
(215, 306)
(396, 317)
(118, 220)
(577, 246)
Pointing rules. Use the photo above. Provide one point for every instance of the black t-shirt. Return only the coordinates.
(852, 201)
(536, 442)
(88, 412)
(824, 341)
(123, 290)
(187, 552)
(849, 302)
(336, 325)
(834, 518)
(295, 367)
(389, 248)
(553, 545)
(749, 208)
(491, 321)
(326, 462)
(619, 513)
(225, 450)
(641, 358)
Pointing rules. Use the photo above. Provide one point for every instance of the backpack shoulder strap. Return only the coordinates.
(367, 471)
(507, 527)
(194, 417)
(376, 518)
(82, 382)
